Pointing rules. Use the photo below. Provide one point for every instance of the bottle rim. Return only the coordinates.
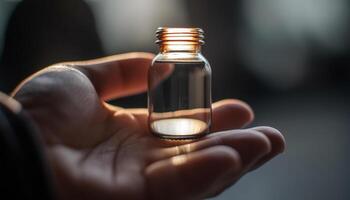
(182, 36)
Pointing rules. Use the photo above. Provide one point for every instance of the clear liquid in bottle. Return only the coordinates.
(181, 99)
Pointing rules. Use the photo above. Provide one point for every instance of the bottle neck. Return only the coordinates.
(180, 48)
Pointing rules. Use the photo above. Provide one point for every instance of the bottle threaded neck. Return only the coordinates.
(179, 39)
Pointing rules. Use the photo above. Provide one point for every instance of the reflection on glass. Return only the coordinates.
(179, 126)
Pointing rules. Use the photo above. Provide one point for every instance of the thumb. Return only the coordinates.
(118, 75)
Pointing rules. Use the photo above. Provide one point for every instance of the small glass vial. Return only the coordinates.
(179, 85)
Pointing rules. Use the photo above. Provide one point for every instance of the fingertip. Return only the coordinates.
(231, 114)
(277, 141)
(261, 144)
(252, 145)
(235, 102)
(276, 138)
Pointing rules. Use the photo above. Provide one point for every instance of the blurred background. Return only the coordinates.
(289, 59)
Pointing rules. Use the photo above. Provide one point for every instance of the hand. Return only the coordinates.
(100, 151)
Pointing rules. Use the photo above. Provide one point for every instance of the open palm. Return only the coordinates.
(100, 151)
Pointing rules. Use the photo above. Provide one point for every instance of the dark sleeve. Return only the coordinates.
(23, 170)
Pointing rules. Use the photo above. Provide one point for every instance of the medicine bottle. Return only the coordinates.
(179, 85)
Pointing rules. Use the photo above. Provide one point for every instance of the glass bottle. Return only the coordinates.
(179, 85)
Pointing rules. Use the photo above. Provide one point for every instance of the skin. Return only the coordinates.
(100, 151)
